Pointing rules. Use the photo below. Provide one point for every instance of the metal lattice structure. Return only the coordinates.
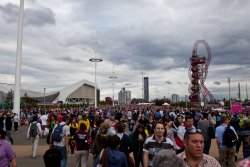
(198, 74)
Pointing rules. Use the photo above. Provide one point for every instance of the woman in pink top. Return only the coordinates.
(7, 154)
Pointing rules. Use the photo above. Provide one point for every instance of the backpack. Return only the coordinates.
(57, 134)
(229, 137)
(33, 130)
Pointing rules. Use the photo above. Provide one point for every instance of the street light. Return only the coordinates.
(113, 77)
(44, 97)
(228, 79)
(127, 84)
(95, 60)
(126, 92)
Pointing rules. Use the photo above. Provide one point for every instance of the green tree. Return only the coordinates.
(28, 102)
(9, 99)
(158, 102)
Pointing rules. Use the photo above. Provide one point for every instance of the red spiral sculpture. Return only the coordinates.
(198, 74)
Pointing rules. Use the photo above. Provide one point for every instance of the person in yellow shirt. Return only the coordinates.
(73, 128)
(84, 119)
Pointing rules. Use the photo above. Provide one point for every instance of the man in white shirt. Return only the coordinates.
(43, 120)
(16, 122)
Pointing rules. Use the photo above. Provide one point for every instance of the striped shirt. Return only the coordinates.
(151, 146)
(207, 161)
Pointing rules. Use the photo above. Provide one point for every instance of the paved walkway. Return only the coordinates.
(22, 147)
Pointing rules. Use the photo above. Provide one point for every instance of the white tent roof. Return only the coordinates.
(4, 87)
(64, 93)
(166, 104)
(219, 109)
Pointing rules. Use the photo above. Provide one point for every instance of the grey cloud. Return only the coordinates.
(136, 36)
(33, 17)
(143, 53)
(11, 12)
(169, 82)
(39, 17)
(217, 83)
(7, 69)
(69, 59)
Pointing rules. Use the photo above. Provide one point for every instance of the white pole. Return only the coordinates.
(113, 91)
(229, 91)
(246, 92)
(44, 97)
(95, 88)
(113, 77)
(95, 60)
(142, 87)
(17, 89)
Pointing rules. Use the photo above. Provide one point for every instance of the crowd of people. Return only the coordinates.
(153, 135)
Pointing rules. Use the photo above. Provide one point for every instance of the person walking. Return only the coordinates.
(138, 138)
(125, 144)
(226, 153)
(51, 122)
(73, 128)
(52, 158)
(193, 153)
(6, 124)
(16, 121)
(154, 144)
(189, 124)
(43, 120)
(82, 140)
(203, 125)
(167, 158)
(7, 154)
(111, 156)
(59, 138)
(244, 138)
(34, 132)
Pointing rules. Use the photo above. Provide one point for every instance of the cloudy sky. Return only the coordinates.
(155, 38)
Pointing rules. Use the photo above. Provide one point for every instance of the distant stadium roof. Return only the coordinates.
(82, 91)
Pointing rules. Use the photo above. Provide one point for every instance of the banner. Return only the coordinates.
(236, 107)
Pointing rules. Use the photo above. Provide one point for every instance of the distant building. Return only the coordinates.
(146, 90)
(175, 98)
(77, 93)
(124, 97)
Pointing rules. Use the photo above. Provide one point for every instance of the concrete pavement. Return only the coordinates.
(22, 147)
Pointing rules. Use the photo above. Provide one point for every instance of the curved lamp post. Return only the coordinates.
(95, 60)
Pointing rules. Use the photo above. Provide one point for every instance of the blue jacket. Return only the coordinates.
(117, 158)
